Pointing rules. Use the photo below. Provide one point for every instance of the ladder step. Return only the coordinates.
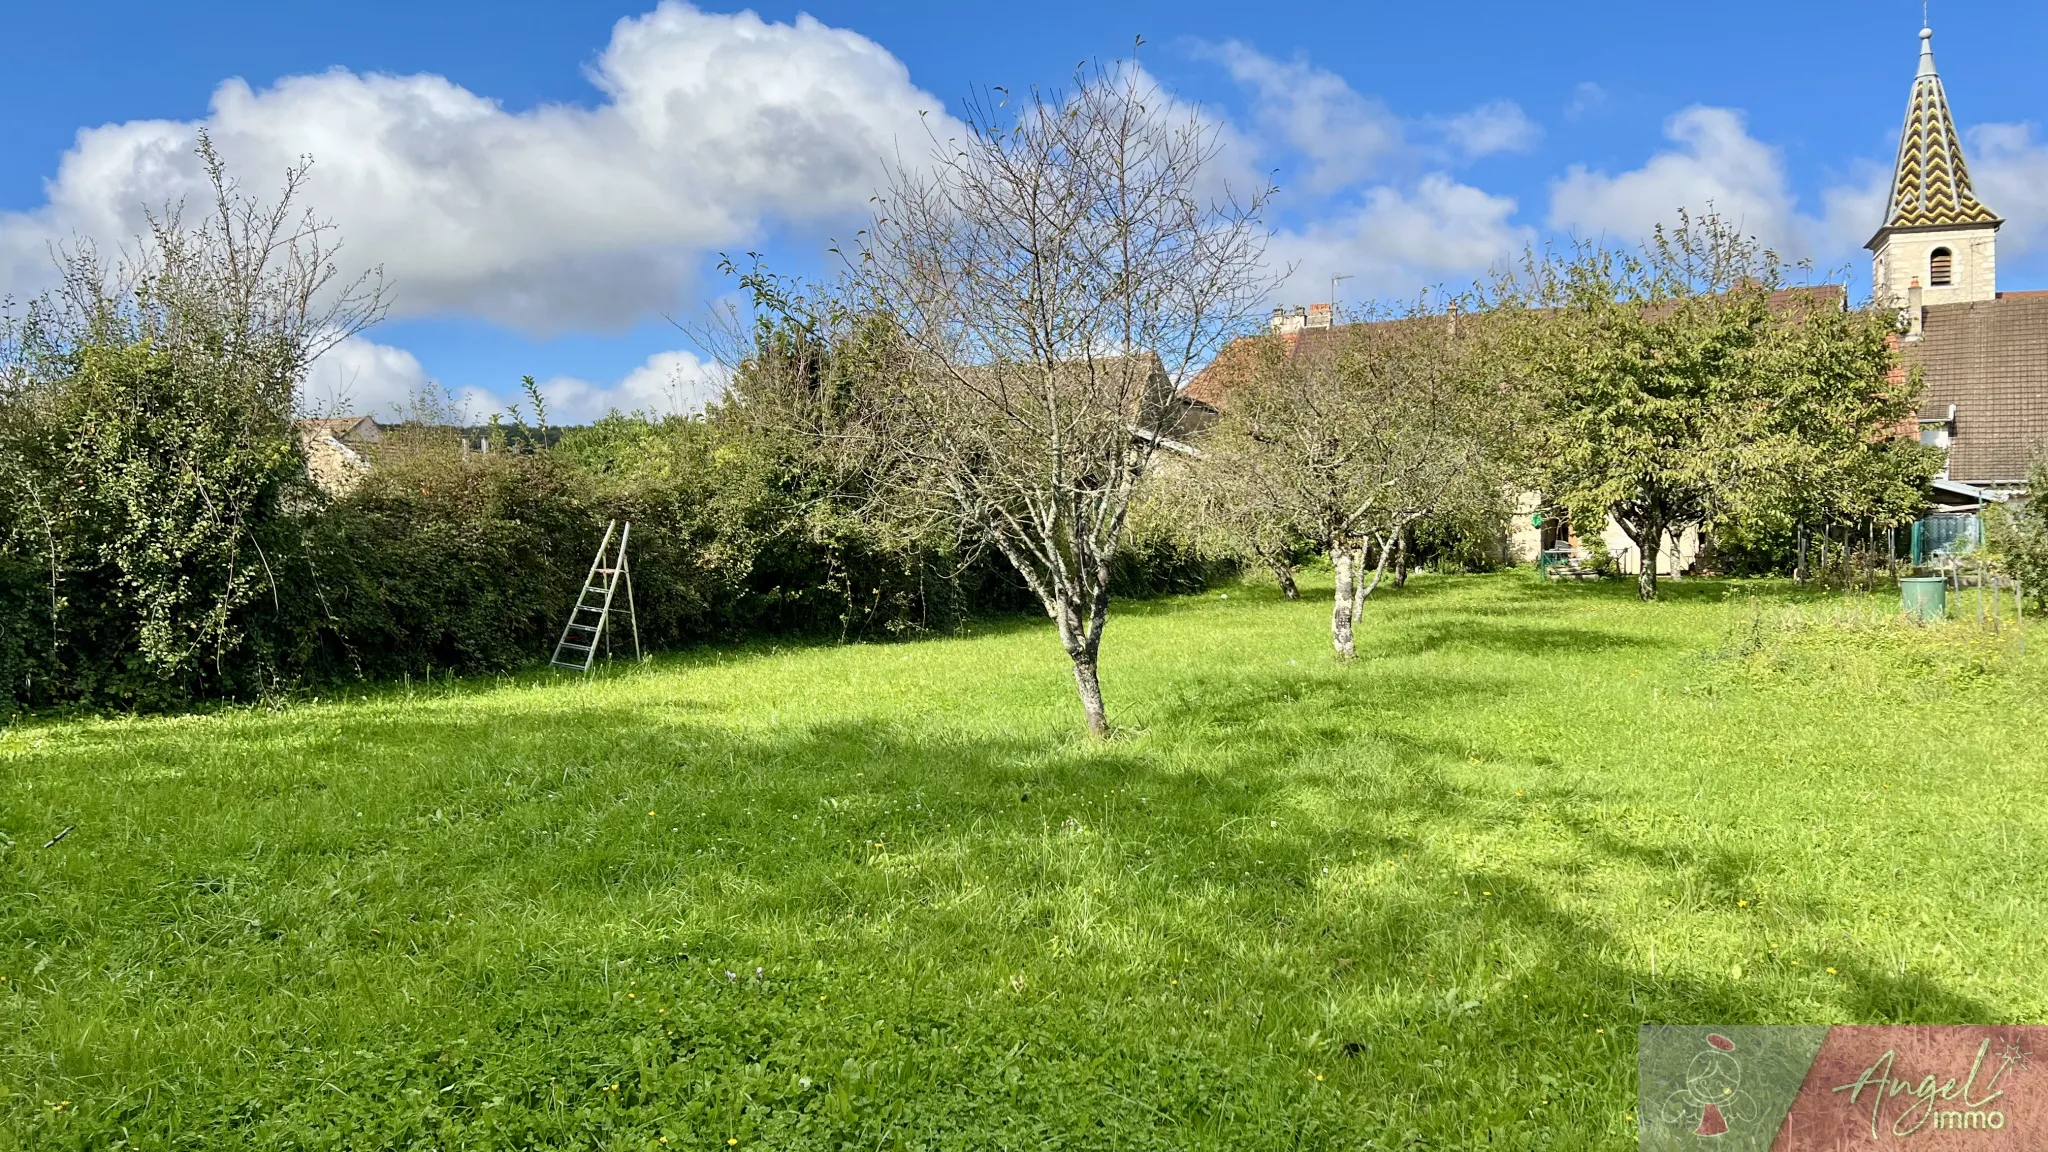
(592, 613)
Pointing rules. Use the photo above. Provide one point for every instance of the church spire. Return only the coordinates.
(1931, 187)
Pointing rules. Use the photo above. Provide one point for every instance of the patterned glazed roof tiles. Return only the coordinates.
(1931, 184)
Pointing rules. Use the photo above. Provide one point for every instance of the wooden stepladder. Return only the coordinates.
(590, 621)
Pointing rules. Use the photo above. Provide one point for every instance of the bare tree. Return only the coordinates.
(1051, 278)
(1347, 437)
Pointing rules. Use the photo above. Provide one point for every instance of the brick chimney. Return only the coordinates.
(1285, 323)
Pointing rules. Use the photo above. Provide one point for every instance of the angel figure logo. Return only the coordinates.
(1713, 1091)
(1787, 1088)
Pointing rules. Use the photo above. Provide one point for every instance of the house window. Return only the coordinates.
(1941, 268)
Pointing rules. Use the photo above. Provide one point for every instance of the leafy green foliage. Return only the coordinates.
(1467, 537)
(2017, 535)
(146, 447)
(440, 562)
(164, 480)
(1685, 386)
(160, 541)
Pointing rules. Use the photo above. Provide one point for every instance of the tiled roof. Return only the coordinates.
(1231, 369)
(1990, 360)
(1234, 364)
(1931, 185)
(363, 428)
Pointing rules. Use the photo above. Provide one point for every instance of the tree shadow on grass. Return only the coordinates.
(1320, 703)
(1689, 590)
(1516, 639)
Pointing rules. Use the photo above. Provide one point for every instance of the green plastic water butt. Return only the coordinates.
(1924, 598)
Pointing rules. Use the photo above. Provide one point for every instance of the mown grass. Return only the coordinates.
(886, 897)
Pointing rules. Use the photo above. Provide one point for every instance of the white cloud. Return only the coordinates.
(1391, 236)
(1851, 212)
(668, 383)
(1718, 163)
(1397, 243)
(2009, 172)
(1348, 138)
(711, 129)
(1587, 98)
(1496, 126)
(361, 377)
(1344, 136)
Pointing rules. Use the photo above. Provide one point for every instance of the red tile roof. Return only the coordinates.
(1233, 365)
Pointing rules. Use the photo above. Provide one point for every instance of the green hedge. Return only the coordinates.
(441, 561)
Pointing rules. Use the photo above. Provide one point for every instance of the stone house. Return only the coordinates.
(336, 450)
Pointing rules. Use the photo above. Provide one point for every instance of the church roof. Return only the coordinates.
(1931, 187)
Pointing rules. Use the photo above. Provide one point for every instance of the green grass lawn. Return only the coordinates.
(887, 896)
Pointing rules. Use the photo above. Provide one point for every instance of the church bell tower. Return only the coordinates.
(1936, 236)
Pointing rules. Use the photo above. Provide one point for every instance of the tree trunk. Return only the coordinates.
(1080, 627)
(1284, 573)
(1090, 685)
(1401, 560)
(1344, 560)
(1380, 570)
(1645, 523)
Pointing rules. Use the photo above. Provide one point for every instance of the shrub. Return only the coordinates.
(2017, 536)
(1469, 540)
(146, 446)
(440, 561)
(24, 631)
(1601, 559)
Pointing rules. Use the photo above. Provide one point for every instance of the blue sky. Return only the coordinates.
(545, 181)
